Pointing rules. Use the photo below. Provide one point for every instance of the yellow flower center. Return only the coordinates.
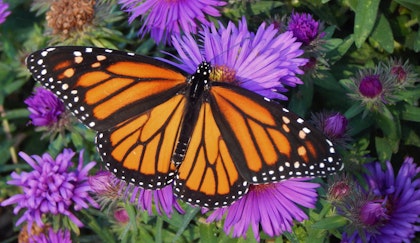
(222, 73)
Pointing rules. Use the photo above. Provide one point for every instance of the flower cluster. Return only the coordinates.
(53, 187)
(387, 210)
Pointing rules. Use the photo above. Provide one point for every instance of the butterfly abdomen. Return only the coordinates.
(199, 82)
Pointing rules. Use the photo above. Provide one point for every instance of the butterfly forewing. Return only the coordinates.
(267, 142)
(105, 87)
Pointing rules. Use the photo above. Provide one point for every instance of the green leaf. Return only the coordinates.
(383, 148)
(336, 54)
(389, 125)
(353, 111)
(326, 80)
(411, 113)
(207, 233)
(383, 34)
(365, 18)
(332, 222)
(16, 113)
(187, 220)
(416, 44)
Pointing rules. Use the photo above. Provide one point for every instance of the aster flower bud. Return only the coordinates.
(333, 125)
(402, 73)
(106, 187)
(304, 27)
(121, 216)
(373, 88)
(370, 86)
(339, 190)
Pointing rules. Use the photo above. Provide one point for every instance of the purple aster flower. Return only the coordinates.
(3, 11)
(61, 236)
(273, 207)
(52, 187)
(165, 18)
(163, 200)
(389, 209)
(304, 27)
(45, 108)
(263, 62)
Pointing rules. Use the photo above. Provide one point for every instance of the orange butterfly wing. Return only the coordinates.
(140, 149)
(267, 142)
(208, 175)
(105, 87)
(135, 102)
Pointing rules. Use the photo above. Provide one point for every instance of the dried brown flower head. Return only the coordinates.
(65, 16)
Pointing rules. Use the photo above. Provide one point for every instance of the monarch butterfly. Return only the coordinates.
(157, 125)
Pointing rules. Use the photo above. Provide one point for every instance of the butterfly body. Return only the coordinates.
(157, 126)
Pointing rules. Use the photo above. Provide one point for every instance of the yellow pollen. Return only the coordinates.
(222, 73)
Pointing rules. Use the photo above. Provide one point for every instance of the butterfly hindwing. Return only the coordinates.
(208, 176)
(101, 86)
(267, 142)
(140, 149)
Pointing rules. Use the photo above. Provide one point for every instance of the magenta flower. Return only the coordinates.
(304, 27)
(166, 18)
(61, 236)
(52, 187)
(45, 108)
(370, 86)
(3, 11)
(264, 62)
(388, 210)
(272, 207)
